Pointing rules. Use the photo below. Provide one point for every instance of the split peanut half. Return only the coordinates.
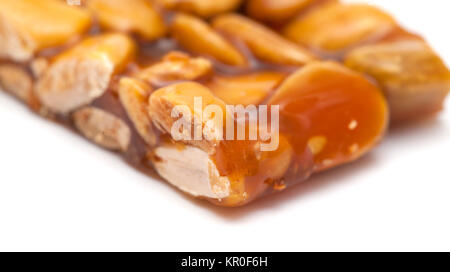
(27, 27)
(80, 75)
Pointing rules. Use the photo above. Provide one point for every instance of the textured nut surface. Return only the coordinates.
(264, 43)
(197, 36)
(134, 96)
(15, 80)
(336, 27)
(82, 74)
(29, 26)
(176, 66)
(163, 101)
(103, 128)
(191, 170)
(204, 8)
(275, 11)
(137, 16)
(248, 89)
(413, 77)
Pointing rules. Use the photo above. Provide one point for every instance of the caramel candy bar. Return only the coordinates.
(226, 100)
(413, 77)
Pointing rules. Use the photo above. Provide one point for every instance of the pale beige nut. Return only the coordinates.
(134, 96)
(197, 36)
(17, 81)
(38, 66)
(165, 109)
(275, 11)
(80, 75)
(135, 16)
(415, 80)
(263, 42)
(203, 8)
(176, 66)
(29, 26)
(337, 27)
(103, 128)
(191, 170)
(247, 89)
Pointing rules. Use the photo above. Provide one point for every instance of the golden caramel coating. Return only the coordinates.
(203, 8)
(247, 89)
(197, 36)
(413, 77)
(275, 11)
(135, 89)
(264, 43)
(81, 74)
(133, 95)
(27, 27)
(135, 16)
(339, 118)
(337, 27)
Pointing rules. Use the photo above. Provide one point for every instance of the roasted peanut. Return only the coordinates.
(275, 11)
(191, 170)
(264, 43)
(15, 80)
(337, 27)
(103, 128)
(338, 119)
(82, 74)
(197, 36)
(29, 26)
(203, 8)
(249, 89)
(413, 77)
(134, 95)
(163, 101)
(237, 169)
(137, 16)
(176, 66)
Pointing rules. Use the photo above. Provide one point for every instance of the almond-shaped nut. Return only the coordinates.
(29, 26)
(247, 89)
(197, 36)
(80, 75)
(191, 170)
(166, 107)
(415, 80)
(203, 8)
(103, 128)
(337, 27)
(176, 66)
(136, 16)
(275, 11)
(134, 96)
(17, 81)
(263, 42)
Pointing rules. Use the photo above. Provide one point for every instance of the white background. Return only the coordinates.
(58, 192)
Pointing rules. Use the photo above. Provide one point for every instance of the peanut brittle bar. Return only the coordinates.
(227, 100)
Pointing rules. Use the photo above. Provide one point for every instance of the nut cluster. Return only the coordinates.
(116, 71)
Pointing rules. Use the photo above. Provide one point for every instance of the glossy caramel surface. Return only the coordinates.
(328, 114)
